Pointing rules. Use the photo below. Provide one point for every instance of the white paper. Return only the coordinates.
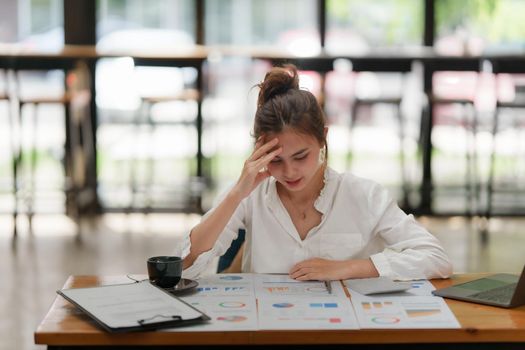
(306, 313)
(414, 308)
(123, 305)
(227, 279)
(418, 288)
(285, 303)
(228, 299)
(403, 312)
(267, 285)
(227, 313)
(226, 285)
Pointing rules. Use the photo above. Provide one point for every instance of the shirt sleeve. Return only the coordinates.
(411, 251)
(225, 239)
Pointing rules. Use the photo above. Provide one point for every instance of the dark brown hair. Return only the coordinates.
(281, 104)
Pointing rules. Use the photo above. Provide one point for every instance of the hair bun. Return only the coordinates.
(277, 81)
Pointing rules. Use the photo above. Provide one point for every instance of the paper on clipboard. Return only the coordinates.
(133, 306)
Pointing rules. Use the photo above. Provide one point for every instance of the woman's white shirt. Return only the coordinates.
(359, 220)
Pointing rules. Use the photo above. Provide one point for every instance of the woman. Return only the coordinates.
(302, 217)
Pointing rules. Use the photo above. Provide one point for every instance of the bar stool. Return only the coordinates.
(35, 100)
(453, 88)
(510, 99)
(6, 98)
(369, 101)
(149, 99)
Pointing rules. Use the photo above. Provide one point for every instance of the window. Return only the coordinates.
(354, 26)
(36, 23)
(156, 24)
(477, 26)
(289, 24)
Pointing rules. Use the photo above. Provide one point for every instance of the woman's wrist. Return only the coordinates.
(360, 268)
(235, 196)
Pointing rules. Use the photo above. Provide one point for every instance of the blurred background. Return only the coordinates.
(146, 140)
(121, 120)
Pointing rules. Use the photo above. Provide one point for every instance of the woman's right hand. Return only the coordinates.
(255, 170)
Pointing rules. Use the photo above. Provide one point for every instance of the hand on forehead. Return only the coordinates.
(291, 141)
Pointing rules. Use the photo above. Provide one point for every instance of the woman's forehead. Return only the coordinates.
(291, 140)
(290, 134)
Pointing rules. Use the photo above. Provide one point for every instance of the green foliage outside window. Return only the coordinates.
(498, 22)
(380, 22)
(45, 15)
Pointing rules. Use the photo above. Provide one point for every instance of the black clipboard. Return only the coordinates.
(133, 307)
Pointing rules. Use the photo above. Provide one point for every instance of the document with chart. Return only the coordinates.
(415, 308)
(230, 301)
(306, 313)
(285, 303)
(269, 285)
(226, 285)
(227, 313)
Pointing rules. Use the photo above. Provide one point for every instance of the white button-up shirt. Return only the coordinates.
(359, 220)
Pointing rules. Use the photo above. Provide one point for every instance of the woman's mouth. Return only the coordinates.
(293, 183)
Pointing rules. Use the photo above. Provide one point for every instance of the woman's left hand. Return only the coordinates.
(330, 270)
(319, 269)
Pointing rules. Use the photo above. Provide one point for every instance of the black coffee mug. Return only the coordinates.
(165, 271)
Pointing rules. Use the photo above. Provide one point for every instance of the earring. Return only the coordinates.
(322, 155)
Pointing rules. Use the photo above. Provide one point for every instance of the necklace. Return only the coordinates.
(303, 209)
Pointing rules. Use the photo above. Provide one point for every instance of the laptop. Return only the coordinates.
(502, 289)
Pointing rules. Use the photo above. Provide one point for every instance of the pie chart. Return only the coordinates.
(232, 318)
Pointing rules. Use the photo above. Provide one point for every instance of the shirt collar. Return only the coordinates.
(325, 200)
(323, 203)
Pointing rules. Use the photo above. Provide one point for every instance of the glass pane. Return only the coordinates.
(289, 24)
(140, 113)
(476, 26)
(354, 26)
(160, 24)
(35, 23)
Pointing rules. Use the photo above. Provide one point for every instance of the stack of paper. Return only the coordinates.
(237, 302)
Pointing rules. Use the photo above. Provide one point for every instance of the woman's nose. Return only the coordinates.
(288, 170)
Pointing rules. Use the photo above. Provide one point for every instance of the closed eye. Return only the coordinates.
(301, 157)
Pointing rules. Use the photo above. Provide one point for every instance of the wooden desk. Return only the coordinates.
(482, 327)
